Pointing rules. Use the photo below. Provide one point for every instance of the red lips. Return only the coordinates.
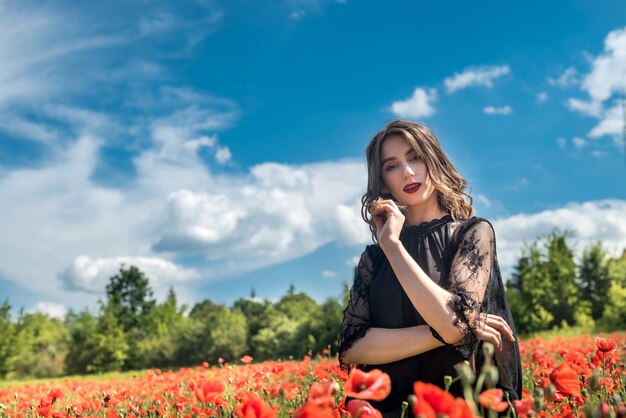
(412, 187)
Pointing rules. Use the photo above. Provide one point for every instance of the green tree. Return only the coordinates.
(110, 349)
(43, 344)
(130, 298)
(7, 342)
(594, 278)
(561, 269)
(82, 328)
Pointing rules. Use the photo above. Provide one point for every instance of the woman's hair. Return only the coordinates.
(449, 184)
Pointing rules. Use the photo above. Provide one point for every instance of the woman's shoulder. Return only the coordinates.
(475, 224)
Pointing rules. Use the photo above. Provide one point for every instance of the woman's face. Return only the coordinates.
(403, 174)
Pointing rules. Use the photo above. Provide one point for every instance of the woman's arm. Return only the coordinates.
(385, 345)
(471, 271)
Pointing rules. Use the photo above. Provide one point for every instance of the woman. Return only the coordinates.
(429, 291)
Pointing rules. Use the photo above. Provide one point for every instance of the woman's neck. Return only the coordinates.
(425, 212)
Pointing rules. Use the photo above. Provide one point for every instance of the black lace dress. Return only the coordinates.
(461, 257)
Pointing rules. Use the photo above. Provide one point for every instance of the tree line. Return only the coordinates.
(549, 288)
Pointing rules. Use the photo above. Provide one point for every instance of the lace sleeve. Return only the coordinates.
(468, 280)
(356, 316)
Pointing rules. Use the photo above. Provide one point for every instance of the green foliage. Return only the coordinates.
(7, 342)
(82, 328)
(42, 343)
(594, 279)
(110, 348)
(615, 311)
(129, 297)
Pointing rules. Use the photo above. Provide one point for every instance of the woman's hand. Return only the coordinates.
(492, 328)
(388, 220)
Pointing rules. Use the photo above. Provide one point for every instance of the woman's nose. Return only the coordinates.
(408, 171)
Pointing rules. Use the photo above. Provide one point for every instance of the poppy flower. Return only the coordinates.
(442, 402)
(525, 407)
(207, 389)
(322, 394)
(605, 345)
(310, 410)
(363, 409)
(254, 407)
(566, 380)
(492, 399)
(374, 385)
(246, 359)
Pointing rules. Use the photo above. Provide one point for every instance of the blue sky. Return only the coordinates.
(219, 145)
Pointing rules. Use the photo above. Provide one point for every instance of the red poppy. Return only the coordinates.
(605, 345)
(323, 394)
(54, 394)
(374, 385)
(254, 407)
(566, 380)
(207, 389)
(524, 407)
(246, 359)
(310, 410)
(492, 399)
(441, 401)
(363, 409)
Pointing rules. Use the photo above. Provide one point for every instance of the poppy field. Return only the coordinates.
(578, 376)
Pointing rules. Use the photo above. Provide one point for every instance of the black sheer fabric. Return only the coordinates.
(461, 257)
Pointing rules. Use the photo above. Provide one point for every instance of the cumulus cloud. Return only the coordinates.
(54, 310)
(419, 105)
(592, 108)
(502, 110)
(579, 142)
(93, 275)
(569, 77)
(604, 84)
(475, 76)
(590, 221)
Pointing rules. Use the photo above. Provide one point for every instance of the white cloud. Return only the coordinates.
(476, 76)
(579, 143)
(608, 74)
(419, 105)
(93, 275)
(604, 84)
(598, 154)
(561, 142)
(568, 78)
(502, 110)
(541, 97)
(54, 310)
(329, 274)
(592, 108)
(612, 124)
(590, 221)
(223, 155)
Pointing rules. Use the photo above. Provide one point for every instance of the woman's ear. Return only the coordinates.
(383, 189)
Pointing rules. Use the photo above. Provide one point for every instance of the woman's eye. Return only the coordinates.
(414, 157)
(390, 167)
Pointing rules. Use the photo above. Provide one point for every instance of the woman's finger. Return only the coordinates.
(492, 336)
(501, 325)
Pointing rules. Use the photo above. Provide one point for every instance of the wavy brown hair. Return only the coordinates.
(449, 184)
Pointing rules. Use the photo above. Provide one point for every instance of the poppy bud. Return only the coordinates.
(466, 373)
(491, 374)
(538, 406)
(412, 400)
(488, 350)
(550, 391)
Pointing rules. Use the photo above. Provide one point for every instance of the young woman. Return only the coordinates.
(429, 291)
